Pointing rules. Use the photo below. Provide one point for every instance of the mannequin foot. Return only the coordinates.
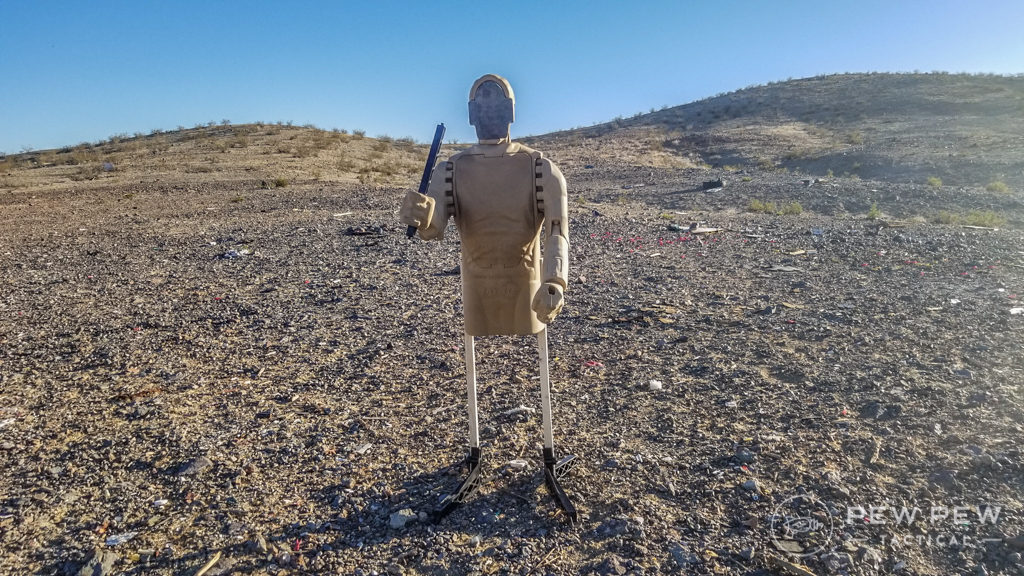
(465, 490)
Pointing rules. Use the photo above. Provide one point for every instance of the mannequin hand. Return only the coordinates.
(417, 209)
(548, 301)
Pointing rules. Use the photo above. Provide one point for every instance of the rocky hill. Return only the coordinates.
(962, 129)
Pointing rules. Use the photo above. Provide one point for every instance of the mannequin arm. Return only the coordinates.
(553, 201)
(429, 212)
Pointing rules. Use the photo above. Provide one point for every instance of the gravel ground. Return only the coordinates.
(221, 379)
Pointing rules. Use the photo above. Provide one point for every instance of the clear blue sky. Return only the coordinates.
(81, 71)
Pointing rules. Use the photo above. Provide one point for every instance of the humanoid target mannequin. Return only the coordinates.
(506, 200)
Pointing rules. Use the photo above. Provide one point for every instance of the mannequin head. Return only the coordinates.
(491, 108)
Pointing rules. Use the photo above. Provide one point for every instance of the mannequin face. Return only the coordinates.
(490, 112)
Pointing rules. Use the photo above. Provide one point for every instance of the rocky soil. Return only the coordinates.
(223, 379)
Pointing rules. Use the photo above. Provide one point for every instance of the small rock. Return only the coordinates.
(751, 485)
(789, 567)
(1017, 542)
(744, 456)
(836, 562)
(475, 541)
(101, 563)
(870, 557)
(984, 461)
(399, 519)
(748, 553)
(943, 478)
(871, 453)
(195, 467)
(683, 556)
(871, 410)
(258, 544)
(612, 566)
(655, 385)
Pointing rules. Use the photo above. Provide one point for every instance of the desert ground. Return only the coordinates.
(220, 354)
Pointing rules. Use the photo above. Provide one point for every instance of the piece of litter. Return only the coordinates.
(363, 449)
(160, 503)
(1016, 311)
(732, 404)
(954, 301)
(519, 410)
(655, 385)
(518, 465)
(118, 539)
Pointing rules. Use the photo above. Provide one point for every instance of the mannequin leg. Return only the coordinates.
(553, 470)
(472, 481)
(474, 431)
(545, 390)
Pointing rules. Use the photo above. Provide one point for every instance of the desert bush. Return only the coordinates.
(946, 217)
(986, 218)
(997, 186)
(89, 171)
(760, 206)
(381, 145)
(934, 181)
(386, 168)
(359, 133)
(280, 182)
(238, 199)
(305, 151)
(792, 209)
(346, 165)
(855, 138)
(874, 213)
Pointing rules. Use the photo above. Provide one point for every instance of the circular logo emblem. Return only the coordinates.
(801, 526)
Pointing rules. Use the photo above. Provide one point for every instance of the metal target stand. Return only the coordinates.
(554, 469)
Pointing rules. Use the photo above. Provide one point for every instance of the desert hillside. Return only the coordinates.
(962, 129)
